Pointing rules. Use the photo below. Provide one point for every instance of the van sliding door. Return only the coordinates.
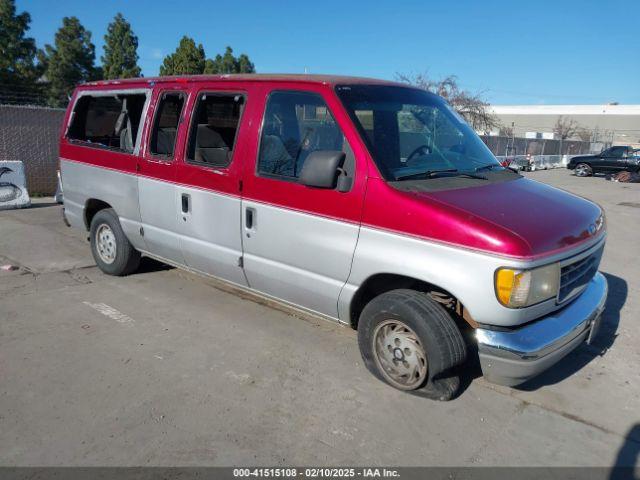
(209, 192)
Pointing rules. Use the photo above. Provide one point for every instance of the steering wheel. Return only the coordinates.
(422, 148)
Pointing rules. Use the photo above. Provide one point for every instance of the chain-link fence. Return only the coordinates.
(510, 146)
(30, 134)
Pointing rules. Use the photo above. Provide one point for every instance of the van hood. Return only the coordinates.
(520, 217)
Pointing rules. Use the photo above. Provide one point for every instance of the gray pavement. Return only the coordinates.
(166, 368)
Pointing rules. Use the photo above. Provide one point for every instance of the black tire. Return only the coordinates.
(127, 258)
(440, 337)
(583, 167)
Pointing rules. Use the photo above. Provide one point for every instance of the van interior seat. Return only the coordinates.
(318, 137)
(126, 140)
(166, 140)
(211, 147)
(274, 156)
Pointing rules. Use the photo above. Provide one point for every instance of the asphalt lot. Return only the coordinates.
(166, 368)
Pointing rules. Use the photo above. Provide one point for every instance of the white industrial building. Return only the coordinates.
(611, 124)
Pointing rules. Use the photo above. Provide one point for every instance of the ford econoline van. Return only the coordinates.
(368, 202)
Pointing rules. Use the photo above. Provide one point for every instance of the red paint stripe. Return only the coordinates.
(363, 224)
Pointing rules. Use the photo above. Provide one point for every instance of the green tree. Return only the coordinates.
(18, 69)
(69, 61)
(245, 65)
(228, 63)
(120, 58)
(188, 59)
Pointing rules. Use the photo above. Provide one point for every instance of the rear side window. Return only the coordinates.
(617, 152)
(108, 121)
(214, 129)
(165, 125)
(296, 124)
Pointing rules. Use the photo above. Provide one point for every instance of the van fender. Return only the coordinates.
(466, 274)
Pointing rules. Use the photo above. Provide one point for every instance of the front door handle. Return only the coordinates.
(186, 200)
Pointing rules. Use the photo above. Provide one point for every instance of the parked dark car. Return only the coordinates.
(611, 160)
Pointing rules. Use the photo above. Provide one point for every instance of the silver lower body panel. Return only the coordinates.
(513, 357)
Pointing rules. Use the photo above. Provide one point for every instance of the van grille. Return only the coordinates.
(576, 275)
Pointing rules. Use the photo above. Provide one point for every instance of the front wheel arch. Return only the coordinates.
(380, 283)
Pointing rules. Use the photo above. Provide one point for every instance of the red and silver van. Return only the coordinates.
(367, 202)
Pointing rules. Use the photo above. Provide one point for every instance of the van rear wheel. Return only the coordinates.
(111, 249)
(410, 342)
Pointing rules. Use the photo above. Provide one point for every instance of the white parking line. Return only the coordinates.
(110, 312)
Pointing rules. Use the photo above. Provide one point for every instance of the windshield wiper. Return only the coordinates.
(425, 173)
(489, 166)
(452, 172)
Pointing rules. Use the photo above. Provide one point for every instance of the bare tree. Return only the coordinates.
(566, 127)
(506, 131)
(584, 134)
(471, 106)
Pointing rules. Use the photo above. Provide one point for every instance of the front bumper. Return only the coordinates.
(513, 357)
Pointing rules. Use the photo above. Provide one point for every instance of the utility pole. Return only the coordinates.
(513, 137)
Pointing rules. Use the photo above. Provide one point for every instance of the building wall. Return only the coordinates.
(30, 134)
(617, 124)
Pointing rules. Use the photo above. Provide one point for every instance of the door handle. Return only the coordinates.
(250, 218)
(186, 202)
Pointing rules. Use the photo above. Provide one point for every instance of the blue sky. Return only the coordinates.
(534, 52)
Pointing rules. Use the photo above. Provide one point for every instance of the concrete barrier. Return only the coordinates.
(13, 186)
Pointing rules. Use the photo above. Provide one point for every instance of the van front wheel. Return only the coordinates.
(409, 341)
(111, 249)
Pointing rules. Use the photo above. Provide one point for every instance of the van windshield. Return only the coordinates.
(413, 134)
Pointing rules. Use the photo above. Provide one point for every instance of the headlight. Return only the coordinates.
(521, 288)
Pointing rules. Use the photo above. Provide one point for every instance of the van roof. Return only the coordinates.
(250, 77)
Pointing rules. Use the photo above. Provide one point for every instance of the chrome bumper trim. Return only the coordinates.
(517, 355)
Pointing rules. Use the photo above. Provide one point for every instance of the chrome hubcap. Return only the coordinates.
(582, 170)
(399, 355)
(106, 243)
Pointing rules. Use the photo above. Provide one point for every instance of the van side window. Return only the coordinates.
(108, 121)
(214, 128)
(165, 125)
(296, 124)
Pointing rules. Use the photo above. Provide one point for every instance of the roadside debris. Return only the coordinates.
(625, 177)
(9, 268)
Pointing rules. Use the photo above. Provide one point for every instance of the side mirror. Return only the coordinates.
(322, 169)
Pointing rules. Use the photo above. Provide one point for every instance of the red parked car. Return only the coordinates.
(367, 202)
